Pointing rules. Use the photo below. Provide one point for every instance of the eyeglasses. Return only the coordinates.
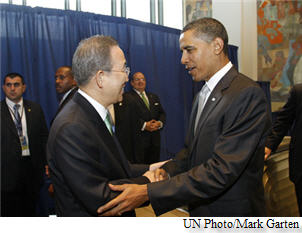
(139, 79)
(125, 70)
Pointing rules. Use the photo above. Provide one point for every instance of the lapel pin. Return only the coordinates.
(29, 110)
(213, 99)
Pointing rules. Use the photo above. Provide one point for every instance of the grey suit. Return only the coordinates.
(83, 157)
(219, 171)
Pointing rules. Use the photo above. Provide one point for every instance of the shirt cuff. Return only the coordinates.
(143, 128)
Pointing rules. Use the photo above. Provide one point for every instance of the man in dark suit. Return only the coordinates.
(146, 118)
(23, 141)
(290, 118)
(219, 171)
(65, 85)
(82, 151)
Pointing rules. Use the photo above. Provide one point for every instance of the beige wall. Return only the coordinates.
(240, 20)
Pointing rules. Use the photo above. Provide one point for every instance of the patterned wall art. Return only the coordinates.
(196, 9)
(279, 24)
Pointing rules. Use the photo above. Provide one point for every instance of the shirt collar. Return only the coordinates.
(66, 94)
(102, 111)
(138, 92)
(214, 80)
(11, 104)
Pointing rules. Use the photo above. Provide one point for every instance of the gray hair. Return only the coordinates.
(208, 29)
(92, 54)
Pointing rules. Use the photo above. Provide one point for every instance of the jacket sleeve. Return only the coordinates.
(43, 134)
(283, 122)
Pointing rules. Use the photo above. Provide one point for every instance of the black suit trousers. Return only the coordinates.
(22, 201)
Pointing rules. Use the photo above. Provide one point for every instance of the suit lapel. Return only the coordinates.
(109, 140)
(151, 101)
(213, 100)
(8, 118)
(140, 100)
(68, 97)
(28, 113)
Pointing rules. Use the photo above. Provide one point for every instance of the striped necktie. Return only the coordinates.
(18, 122)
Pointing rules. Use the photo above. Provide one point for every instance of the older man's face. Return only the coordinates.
(116, 79)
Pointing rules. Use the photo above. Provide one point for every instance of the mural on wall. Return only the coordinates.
(196, 9)
(279, 26)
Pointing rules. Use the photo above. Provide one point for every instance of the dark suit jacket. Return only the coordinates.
(11, 151)
(139, 114)
(123, 124)
(290, 117)
(223, 162)
(83, 158)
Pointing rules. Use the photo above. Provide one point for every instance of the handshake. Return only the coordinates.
(156, 173)
(132, 195)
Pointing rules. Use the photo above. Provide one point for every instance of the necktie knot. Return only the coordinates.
(16, 107)
(205, 89)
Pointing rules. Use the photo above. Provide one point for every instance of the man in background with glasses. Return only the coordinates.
(146, 118)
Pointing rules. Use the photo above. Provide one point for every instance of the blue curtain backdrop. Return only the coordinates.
(36, 41)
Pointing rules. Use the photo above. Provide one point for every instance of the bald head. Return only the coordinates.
(138, 81)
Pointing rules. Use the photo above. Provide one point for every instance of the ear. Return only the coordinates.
(99, 78)
(218, 45)
(23, 88)
(74, 82)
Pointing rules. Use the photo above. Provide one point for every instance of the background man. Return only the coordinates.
(82, 151)
(65, 85)
(23, 141)
(290, 118)
(146, 118)
(219, 171)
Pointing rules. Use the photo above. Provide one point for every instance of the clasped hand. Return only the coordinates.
(152, 125)
(132, 195)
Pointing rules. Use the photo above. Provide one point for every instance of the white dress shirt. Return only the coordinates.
(21, 110)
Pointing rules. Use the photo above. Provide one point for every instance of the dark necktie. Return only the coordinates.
(18, 119)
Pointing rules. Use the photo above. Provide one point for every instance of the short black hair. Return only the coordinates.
(208, 29)
(13, 75)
